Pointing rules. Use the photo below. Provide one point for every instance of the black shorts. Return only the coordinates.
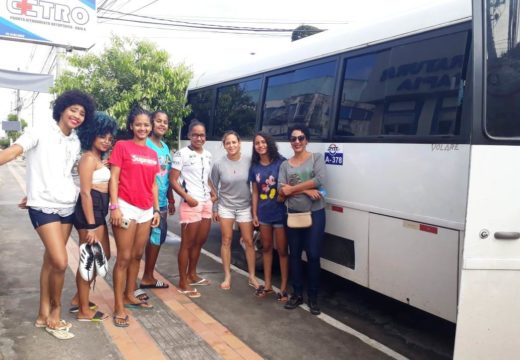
(100, 204)
(39, 218)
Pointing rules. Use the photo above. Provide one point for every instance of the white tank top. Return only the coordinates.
(101, 175)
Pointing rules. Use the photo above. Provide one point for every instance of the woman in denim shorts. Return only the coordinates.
(268, 212)
(51, 151)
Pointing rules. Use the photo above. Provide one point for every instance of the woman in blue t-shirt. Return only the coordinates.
(268, 213)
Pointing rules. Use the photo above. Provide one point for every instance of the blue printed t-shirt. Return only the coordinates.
(265, 177)
(165, 162)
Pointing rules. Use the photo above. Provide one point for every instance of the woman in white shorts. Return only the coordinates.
(230, 177)
(134, 207)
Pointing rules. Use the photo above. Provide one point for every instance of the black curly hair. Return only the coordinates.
(134, 112)
(272, 148)
(101, 125)
(304, 129)
(74, 97)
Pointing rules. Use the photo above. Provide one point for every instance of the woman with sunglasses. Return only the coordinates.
(299, 179)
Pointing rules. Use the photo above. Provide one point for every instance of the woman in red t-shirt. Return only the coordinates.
(134, 206)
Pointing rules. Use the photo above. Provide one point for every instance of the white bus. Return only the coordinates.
(418, 117)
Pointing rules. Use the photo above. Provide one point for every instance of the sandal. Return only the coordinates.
(282, 296)
(120, 321)
(141, 295)
(263, 292)
(60, 333)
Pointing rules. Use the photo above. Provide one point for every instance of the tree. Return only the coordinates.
(303, 31)
(15, 134)
(130, 71)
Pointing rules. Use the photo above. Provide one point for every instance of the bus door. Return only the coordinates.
(488, 322)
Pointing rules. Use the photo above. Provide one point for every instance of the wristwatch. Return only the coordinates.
(113, 206)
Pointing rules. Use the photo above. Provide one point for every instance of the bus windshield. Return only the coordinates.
(503, 69)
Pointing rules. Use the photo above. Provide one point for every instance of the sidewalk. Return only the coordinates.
(220, 325)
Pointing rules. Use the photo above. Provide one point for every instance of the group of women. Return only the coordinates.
(131, 184)
(135, 184)
(260, 191)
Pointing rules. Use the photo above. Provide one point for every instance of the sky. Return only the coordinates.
(200, 50)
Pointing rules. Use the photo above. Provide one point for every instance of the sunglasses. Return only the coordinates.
(300, 138)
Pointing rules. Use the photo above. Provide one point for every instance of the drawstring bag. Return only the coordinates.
(299, 220)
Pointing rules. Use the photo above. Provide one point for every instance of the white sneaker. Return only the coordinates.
(100, 260)
(86, 262)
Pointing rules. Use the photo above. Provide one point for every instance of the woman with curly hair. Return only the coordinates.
(51, 150)
(134, 207)
(92, 205)
(268, 212)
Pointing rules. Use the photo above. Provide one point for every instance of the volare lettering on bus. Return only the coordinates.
(48, 10)
(445, 147)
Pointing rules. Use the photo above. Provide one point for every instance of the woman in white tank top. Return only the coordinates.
(92, 204)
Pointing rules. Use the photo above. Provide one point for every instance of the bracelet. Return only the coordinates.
(157, 211)
(113, 206)
(91, 226)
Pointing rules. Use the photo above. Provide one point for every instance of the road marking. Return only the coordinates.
(324, 317)
(18, 178)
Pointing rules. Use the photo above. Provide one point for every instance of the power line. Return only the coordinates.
(178, 23)
(132, 24)
(132, 12)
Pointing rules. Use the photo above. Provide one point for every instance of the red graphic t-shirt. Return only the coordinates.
(139, 165)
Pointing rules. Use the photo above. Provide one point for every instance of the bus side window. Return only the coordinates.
(236, 108)
(302, 96)
(201, 102)
(411, 89)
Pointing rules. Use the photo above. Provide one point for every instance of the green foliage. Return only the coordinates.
(303, 31)
(4, 143)
(130, 71)
(15, 134)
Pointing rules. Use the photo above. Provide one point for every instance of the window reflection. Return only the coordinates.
(201, 104)
(503, 68)
(236, 108)
(303, 96)
(411, 89)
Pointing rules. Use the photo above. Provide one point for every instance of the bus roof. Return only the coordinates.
(437, 14)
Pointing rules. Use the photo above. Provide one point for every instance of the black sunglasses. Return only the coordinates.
(300, 138)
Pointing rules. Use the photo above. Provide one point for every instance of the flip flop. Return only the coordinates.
(263, 292)
(142, 305)
(141, 295)
(201, 282)
(190, 293)
(98, 317)
(60, 334)
(120, 324)
(158, 285)
(63, 325)
(75, 308)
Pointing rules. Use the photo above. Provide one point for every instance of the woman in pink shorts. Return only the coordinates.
(190, 179)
